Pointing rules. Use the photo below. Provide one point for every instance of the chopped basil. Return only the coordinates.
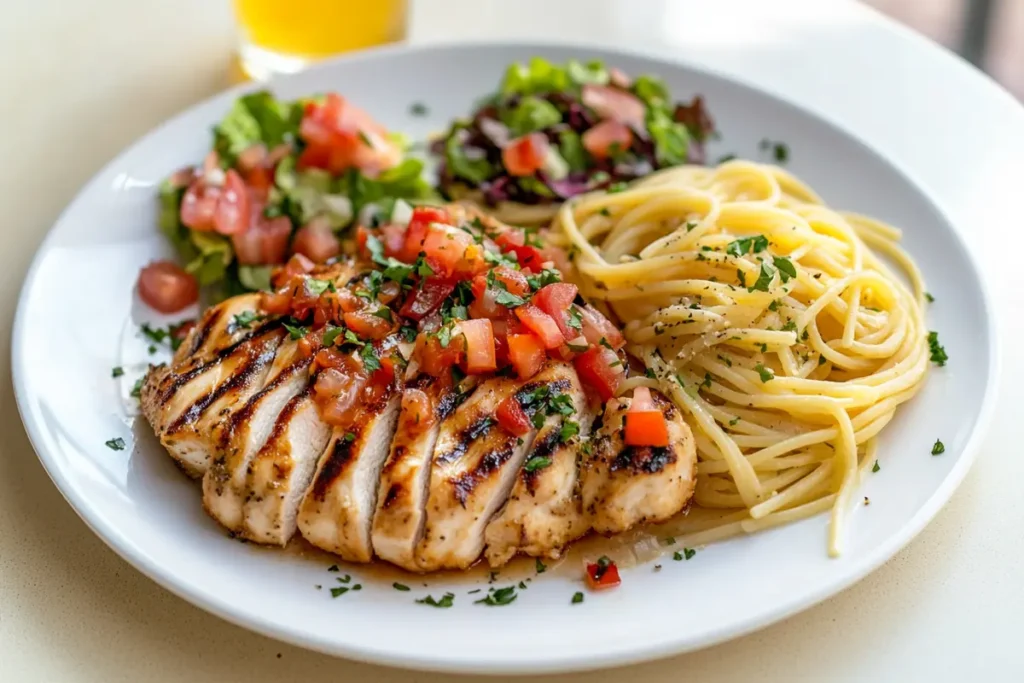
(617, 187)
(318, 287)
(744, 245)
(137, 388)
(117, 371)
(707, 381)
(538, 462)
(575, 321)
(339, 590)
(351, 338)
(765, 373)
(384, 313)
(790, 326)
(371, 362)
(541, 567)
(764, 279)
(689, 552)
(508, 299)
(774, 305)
(939, 448)
(116, 444)
(875, 467)
(447, 600)
(499, 597)
(296, 331)
(786, 268)
(929, 297)
(577, 598)
(938, 352)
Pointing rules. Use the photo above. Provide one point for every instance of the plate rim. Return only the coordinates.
(224, 609)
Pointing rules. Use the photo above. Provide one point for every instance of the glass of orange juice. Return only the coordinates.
(283, 36)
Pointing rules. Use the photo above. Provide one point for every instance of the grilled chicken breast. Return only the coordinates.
(188, 401)
(337, 511)
(402, 496)
(623, 486)
(543, 513)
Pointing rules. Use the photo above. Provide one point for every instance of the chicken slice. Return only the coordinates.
(281, 472)
(219, 327)
(186, 402)
(337, 511)
(241, 435)
(543, 513)
(623, 486)
(402, 496)
(474, 467)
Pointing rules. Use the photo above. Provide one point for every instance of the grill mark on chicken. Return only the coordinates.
(542, 448)
(450, 401)
(467, 482)
(246, 413)
(466, 438)
(177, 381)
(206, 326)
(646, 459)
(335, 463)
(554, 388)
(244, 374)
(281, 424)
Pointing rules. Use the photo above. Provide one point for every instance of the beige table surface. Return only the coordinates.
(80, 80)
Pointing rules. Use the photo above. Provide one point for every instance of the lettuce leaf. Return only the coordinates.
(257, 117)
(214, 255)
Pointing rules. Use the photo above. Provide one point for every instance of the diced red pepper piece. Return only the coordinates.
(513, 418)
(645, 423)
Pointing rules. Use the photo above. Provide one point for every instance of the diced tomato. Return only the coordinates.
(317, 241)
(426, 299)
(252, 157)
(393, 237)
(367, 326)
(555, 300)
(313, 156)
(296, 265)
(265, 242)
(452, 252)
(645, 423)
(479, 345)
(166, 287)
(484, 305)
(513, 418)
(339, 395)
(600, 369)
(529, 257)
(514, 281)
(525, 155)
(500, 330)
(607, 138)
(542, 325)
(602, 574)
(199, 205)
(614, 104)
(232, 214)
(389, 291)
(437, 360)
(597, 327)
(344, 136)
(416, 231)
(381, 382)
(526, 353)
(278, 302)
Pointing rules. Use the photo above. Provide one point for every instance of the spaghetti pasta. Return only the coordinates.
(769, 319)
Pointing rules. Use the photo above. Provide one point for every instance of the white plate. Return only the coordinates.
(75, 322)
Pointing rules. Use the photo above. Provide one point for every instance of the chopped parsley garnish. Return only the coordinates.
(876, 467)
(938, 353)
(444, 336)
(779, 150)
(577, 598)
(706, 384)
(338, 590)
(246, 318)
(538, 462)
(408, 333)
(574, 320)
(117, 371)
(790, 326)
(348, 438)
(331, 334)
(447, 600)
(384, 313)
(689, 552)
(939, 448)
(545, 277)
(296, 331)
(669, 540)
(929, 297)
(508, 299)
(499, 597)
(765, 374)
(541, 567)
(744, 245)
(418, 109)
(423, 268)
(157, 334)
(786, 268)
(116, 444)
(399, 586)
(318, 287)
(617, 187)
(345, 579)
(137, 388)
(764, 278)
(333, 568)
(569, 430)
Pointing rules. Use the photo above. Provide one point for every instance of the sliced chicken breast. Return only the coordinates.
(474, 468)
(337, 511)
(402, 495)
(623, 486)
(280, 474)
(187, 402)
(544, 512)
(243, 433)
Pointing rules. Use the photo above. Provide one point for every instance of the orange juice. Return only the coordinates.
(285, 35)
